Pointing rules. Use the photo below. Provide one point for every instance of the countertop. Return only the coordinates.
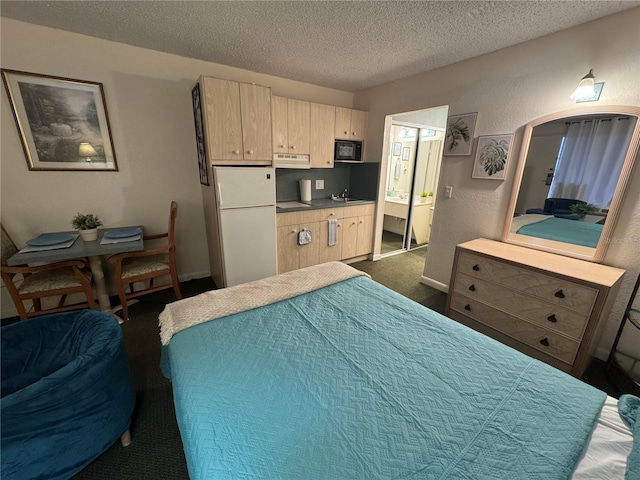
(322, 203)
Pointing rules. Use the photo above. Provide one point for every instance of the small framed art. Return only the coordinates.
(200, 145)
(491, 158)
(459, 134)
(397, 148)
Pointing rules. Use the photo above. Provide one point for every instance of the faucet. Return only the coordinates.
(345, 193)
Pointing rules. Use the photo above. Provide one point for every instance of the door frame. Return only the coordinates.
(384, 171)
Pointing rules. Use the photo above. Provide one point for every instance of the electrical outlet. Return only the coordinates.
(448, 191)
(319, 184)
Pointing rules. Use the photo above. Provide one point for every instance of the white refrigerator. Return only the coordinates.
(240, 215)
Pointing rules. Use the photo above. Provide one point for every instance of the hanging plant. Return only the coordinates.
(493, 157)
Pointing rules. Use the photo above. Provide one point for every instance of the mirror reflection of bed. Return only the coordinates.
(569, 179)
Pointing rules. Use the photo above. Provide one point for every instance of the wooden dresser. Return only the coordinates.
(550, 307)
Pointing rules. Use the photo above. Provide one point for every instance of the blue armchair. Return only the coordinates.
(558, 207)
(66, 393)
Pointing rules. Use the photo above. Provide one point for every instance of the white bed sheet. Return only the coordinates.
(608, 448)
(521, 220)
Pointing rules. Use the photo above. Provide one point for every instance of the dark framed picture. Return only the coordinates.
(491, 157)
(62, 122)
(397, 148)
(459, 134)
(200, 145)
(405, 154)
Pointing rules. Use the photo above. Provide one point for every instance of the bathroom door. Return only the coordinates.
(399, 188)
(425, 181)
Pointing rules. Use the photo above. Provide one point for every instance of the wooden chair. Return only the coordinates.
(132, 267)
(54, 279)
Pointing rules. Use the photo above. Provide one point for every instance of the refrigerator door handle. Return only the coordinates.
(218, 193)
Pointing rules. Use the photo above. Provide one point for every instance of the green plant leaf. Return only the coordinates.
(458, 131)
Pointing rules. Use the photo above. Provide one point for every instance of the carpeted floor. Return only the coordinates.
(156, 450)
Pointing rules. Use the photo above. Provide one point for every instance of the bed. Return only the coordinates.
(560, 229)
(324, 373)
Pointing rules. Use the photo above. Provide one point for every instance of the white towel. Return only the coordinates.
(398, 170)
(333, 232)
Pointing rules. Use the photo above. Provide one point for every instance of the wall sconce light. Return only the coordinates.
(87, 151)
(588, 90)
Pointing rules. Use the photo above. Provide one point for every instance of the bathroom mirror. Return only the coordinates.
(573, 171)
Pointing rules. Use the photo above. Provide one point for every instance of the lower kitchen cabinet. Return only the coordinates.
(354, 236)
(357, 239)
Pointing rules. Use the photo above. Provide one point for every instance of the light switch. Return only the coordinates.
(448, 190)
(319, 184)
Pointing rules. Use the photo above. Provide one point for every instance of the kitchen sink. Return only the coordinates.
(345, 199)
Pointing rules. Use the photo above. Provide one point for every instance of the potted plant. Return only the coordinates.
(87, 225)
(424, 195)
(583, 209)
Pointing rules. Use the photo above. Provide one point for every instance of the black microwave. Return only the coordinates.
(348, 151)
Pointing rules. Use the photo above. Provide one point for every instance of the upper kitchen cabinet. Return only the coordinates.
(350, 124)
(323, 121)
(290, 124)
(237, 120)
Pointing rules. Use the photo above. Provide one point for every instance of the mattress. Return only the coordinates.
(355, 381)
(562, 230)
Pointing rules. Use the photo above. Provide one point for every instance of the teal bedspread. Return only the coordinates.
(354, 381)
(571, 231)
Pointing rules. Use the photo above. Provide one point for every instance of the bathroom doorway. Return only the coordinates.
(409, 177)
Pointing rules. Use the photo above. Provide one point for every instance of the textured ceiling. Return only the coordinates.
(348, 45)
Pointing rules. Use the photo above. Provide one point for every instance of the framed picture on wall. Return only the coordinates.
(397, 148)
(459, 134)
(405, 154)
(62, 122)
(200, 145)
(492, 155)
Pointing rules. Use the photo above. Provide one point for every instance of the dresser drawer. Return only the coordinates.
(550, 289)
(536, 337)
(547, 315)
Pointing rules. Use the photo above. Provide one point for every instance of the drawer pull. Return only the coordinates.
(544, 342)
(559, 294)
(467, 307)
(472, 288)
(476, 268)
(552, 318)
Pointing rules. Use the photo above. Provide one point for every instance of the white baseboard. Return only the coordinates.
(435, 284)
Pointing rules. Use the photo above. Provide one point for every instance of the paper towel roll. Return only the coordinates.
(305, 190)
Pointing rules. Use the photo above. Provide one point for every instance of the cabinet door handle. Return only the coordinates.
(552, 318)
(281, 146)
(293, 147)
(472, 288)
(339, 224)
(250, 152)
(559, 294)
(353, 133)
(353, 223)
(545, 342)
(331, 214)
(329, 162)
(476, 268)
(467, 307)
(361, 221)
(345, 132)
(294, 231)
(236, 152)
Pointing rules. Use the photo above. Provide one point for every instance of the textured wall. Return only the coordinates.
(509, 88)
(148, 98)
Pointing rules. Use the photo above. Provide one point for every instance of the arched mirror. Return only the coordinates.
(573, 171)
